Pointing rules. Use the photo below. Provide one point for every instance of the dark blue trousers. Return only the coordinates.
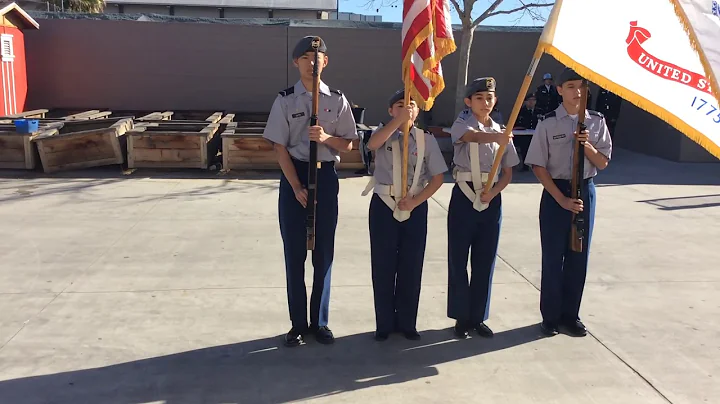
(397, 251)
(474, 234)
(563, 270)
(292, 229)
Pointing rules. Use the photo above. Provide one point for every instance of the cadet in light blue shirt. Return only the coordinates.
(551, 156)
(288, 128)
(474, 217)
(398, 226)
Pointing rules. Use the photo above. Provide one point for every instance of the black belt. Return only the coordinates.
(323, 164)
(569, 182)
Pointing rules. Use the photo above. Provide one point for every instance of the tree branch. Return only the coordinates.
(525, 7)
(486, 13)
(461, 12)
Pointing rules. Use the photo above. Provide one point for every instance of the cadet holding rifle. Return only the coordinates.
(551, 155)
(289, 129)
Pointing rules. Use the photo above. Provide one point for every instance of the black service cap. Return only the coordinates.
(478, 85)
(305, 45)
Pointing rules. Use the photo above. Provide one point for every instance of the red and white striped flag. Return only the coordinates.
(427, 38)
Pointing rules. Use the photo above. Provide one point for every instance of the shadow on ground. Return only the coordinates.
(261, 371)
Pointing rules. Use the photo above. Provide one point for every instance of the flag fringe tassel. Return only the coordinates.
(695, 43)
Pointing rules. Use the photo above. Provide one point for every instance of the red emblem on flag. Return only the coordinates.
(659, 67)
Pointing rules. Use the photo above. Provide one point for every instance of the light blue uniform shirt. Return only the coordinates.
(289, 121)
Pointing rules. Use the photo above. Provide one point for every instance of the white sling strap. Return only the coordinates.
(390, 194)
(477, 177)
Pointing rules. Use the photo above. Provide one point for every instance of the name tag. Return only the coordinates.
(298, 115)
(556, 137)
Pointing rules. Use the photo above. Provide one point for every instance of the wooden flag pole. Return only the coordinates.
(515, 112)
(406, 136)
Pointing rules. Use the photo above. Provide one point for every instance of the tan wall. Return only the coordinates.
(297, 14)
(246, 13)
(208, 12)
(642, 132)
(205, 66)
(155, 65)
(142, 9)
(229, 67)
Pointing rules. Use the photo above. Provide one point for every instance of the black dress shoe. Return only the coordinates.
(484, 331)
(412, 335)
(293, 338)
(575, 328)
(323, 335)
(460, 330)
(549, 328)
(381, 336)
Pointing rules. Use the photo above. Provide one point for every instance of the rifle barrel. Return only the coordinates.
(313, 163)
(577, 229)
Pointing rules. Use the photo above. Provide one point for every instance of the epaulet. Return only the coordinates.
(464, 113)
(550, 114)
(591, 112)
(338, 92)
(287, 91)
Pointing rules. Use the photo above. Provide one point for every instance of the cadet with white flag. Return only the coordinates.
(660, 55)
(474, 215)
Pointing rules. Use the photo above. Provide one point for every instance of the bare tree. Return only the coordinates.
(79, 6)
(464, 10)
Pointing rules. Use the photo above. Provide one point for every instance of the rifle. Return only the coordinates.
(577, 229)
(313, 164)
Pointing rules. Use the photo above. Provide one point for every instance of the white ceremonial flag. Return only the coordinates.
(661, 55)
(701, 19)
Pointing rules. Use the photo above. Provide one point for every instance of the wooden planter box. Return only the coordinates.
(351, 160)
(16, 149)
(88, 115)
(34, 114)
(157, 116)
(171, 144)
(81, 144)
(244, 148)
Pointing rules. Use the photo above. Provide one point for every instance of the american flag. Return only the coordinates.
(427, 37)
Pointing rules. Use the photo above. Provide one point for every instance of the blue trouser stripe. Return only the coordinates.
(563, 271)
(293, 232)
(475, 235)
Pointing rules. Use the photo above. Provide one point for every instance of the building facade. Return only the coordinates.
(295, 9)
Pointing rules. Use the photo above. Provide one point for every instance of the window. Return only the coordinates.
(6, 43)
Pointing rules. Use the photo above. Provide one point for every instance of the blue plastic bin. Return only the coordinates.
(26, 125)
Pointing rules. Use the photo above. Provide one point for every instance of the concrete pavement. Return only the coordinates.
(168, 287)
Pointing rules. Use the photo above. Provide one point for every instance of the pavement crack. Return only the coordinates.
(596, 338)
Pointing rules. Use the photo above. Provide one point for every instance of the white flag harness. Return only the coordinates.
(477, 177)
(390, 194)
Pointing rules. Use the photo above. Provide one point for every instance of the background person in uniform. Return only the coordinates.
(288, 128)
(397, 239)
(474, 217)
(528, 118)
(547, 95)
(551, 155)
(609, 105)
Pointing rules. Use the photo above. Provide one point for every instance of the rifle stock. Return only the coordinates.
(313, 163)
(577, 228)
